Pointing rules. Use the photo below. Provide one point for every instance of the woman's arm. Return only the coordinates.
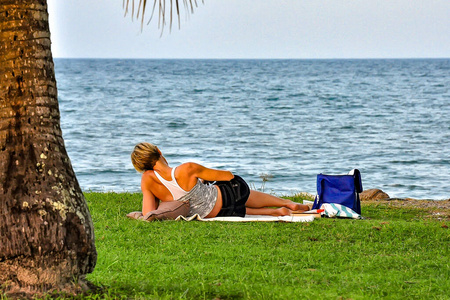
(149, 201)
(208, 174)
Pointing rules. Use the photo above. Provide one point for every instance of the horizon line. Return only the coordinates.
(258, 58)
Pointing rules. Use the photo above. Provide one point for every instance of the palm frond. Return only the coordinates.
(163, 13)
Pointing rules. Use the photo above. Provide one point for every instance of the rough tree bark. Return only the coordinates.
(46, 231)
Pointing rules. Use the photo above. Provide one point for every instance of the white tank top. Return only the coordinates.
(173, 187)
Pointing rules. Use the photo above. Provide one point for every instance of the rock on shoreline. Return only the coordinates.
(377, 194)
(373, 194)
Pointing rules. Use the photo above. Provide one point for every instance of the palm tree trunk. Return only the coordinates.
(46, 231)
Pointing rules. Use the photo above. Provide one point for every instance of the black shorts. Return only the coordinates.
(235, 194)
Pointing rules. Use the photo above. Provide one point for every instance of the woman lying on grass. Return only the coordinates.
(228, 195)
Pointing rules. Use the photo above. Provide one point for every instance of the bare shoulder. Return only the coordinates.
(189, 170)
(189, 167)
(148, 174)
(147, 177)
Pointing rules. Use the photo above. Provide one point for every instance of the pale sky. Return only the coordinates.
(257, 29)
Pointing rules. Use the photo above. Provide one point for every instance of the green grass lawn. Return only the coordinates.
(394, 254)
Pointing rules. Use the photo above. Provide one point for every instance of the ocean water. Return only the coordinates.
(281, 120)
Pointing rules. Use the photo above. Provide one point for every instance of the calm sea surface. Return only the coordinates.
(290, 119)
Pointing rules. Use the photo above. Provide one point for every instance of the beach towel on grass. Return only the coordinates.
(336, 210)
(250, 218)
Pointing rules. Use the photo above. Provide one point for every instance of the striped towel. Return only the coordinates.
(338, 210)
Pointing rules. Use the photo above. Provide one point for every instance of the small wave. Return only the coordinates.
(273, 99)
(280, 107)
(407, 162)
(276, 89)
(92, 172)
(176, 124)
(408, 186)
(330, 98)
(296, 95)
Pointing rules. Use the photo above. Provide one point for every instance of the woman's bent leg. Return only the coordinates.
(260, 200)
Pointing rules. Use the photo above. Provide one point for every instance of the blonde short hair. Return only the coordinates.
(145, 156)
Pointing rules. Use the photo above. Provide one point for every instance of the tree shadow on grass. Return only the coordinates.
(149, 292)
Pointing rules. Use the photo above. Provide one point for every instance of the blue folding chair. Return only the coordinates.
(340, 189)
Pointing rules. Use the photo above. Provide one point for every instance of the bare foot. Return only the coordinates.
(282, 211)
(294, 206)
